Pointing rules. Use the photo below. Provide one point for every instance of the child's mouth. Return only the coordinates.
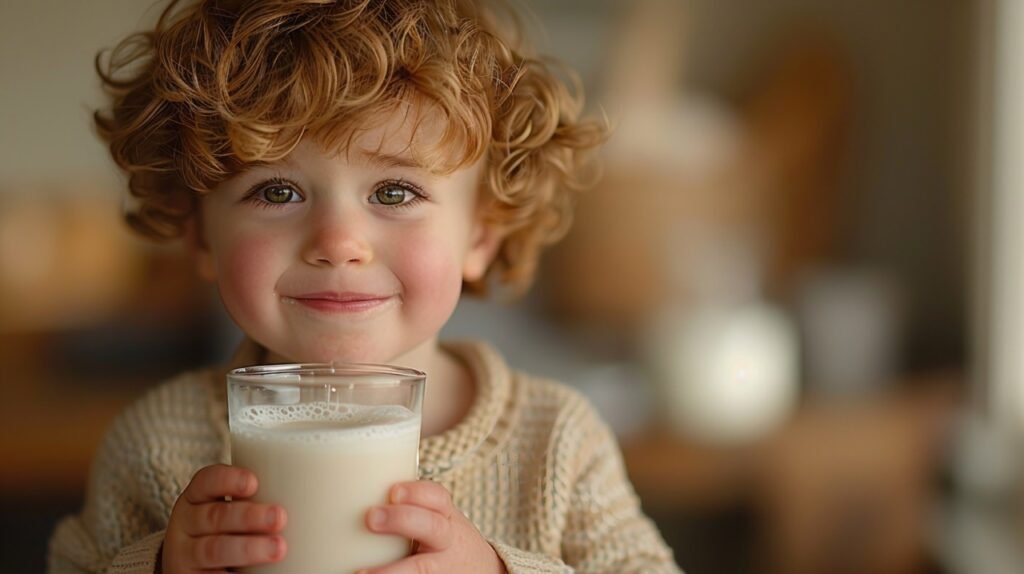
(338, 302)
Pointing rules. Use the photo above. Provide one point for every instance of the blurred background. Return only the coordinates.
(797, 294)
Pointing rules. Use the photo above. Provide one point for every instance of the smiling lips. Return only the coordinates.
(339, 302)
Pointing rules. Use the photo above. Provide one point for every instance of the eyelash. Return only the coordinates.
(417, 191)
(253, 196)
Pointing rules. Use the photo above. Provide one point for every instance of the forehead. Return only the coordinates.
(406, 135)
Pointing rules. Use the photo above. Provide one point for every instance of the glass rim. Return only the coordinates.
(262, 374)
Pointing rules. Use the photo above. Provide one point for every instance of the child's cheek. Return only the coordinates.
(434, 278)
(249, 277)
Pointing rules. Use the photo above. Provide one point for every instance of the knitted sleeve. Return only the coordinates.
(146, 457)
(115, 531)
(73, 551)
(604, 530)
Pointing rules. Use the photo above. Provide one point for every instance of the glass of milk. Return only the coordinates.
(327, 441)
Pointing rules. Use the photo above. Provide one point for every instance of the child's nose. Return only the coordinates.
(337, 241)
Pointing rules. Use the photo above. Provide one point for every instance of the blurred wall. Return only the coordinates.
(905, 179)
(49, 88)
(906, 176)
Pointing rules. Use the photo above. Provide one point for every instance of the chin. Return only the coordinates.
(343, 349)
(350, 353)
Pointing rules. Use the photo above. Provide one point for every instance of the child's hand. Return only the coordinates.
(206, 532)
(446, 541)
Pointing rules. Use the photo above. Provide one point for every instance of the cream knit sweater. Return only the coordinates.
(532, 466)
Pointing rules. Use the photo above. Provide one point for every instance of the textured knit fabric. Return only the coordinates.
(532, 465)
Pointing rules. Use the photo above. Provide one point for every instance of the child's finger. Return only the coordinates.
(431, 530)
(424, 493)
(238, 517)
(217, 481)
(228, 551)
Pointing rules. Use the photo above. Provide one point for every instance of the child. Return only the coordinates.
(341, 171)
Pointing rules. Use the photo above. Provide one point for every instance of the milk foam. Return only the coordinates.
(324, 422)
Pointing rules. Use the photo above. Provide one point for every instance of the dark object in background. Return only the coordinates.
(124, 351)
(26, 522)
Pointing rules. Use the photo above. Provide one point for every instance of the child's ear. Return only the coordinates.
(198, 249)
(485, 241)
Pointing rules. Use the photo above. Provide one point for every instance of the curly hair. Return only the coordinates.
(218, 86)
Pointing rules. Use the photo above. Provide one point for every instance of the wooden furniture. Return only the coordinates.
(839, 488)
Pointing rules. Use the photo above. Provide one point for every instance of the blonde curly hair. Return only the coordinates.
(218, 86)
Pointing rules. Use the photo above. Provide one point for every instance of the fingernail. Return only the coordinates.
(272, 516)
(275, 548)
(399, 494)
(245, 482)
(376, 518)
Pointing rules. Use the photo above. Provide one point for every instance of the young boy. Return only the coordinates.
(342, 170)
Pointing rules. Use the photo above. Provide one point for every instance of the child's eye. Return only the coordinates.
(276, 192)
(396, 194)
(279, 193)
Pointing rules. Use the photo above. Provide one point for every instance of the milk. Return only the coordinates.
(327, 464)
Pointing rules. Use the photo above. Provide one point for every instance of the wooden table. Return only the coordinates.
(840, 483)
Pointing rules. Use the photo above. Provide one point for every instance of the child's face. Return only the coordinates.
(350, 257)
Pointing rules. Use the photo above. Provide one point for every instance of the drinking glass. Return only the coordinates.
(326, 442)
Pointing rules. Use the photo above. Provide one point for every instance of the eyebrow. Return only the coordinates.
(386, 160)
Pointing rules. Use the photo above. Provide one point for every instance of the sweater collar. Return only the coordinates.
(479, 433)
